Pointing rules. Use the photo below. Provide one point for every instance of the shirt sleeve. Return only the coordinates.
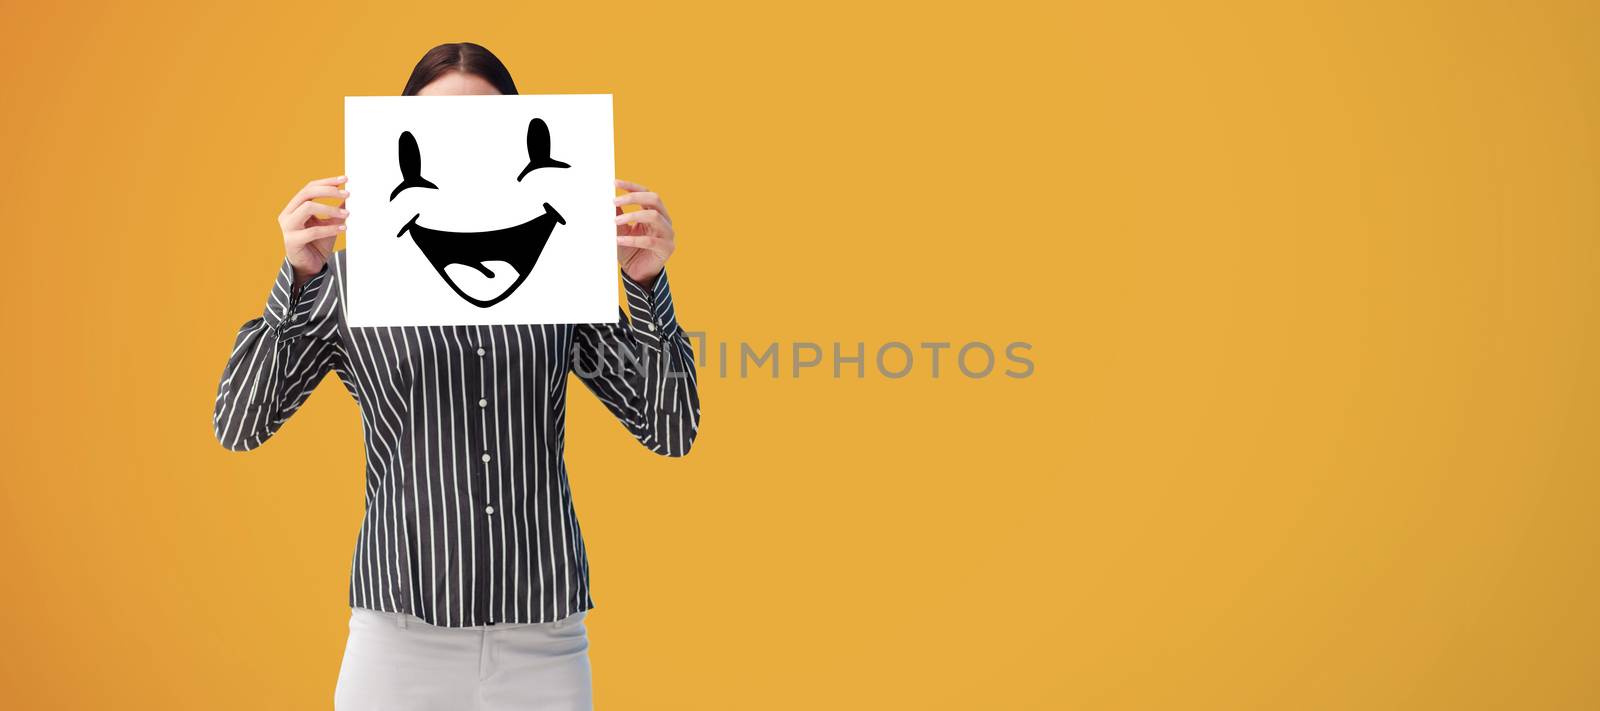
(278, 359)
(642, 368)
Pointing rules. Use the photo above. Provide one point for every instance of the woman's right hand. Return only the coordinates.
(310, 227)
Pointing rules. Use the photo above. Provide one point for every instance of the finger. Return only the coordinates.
(629, 228)
(650, 218)
(647, 200)
(631, 187)
(334, 182)
(311, 234)
(314, 191)
(308, 210)
(318, 209)
(658, 245)
(318, 222)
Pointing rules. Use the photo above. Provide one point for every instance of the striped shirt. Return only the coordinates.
(469, 520)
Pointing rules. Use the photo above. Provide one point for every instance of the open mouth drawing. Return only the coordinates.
(481, 267)
(485, 267)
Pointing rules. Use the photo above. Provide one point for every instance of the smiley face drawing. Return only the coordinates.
(481, 267)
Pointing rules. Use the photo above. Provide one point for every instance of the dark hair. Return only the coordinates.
(463, 57)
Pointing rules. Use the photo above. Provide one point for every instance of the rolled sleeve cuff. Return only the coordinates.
(650, 313)
(289, 310)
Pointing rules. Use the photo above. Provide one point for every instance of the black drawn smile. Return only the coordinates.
(518, 246)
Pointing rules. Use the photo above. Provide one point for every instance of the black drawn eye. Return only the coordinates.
(539, 149)
(410, 166)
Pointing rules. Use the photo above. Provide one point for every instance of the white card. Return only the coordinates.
(479, 210)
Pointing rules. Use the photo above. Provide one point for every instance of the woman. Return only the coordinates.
(469, 583)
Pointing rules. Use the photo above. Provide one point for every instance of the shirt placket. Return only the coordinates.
(482, 357)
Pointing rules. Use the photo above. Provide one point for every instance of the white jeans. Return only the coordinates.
(397, 662)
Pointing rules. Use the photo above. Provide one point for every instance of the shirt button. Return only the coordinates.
(481, 351)
(483, 402)
(489, 510)
(485, 456)
(649, 326)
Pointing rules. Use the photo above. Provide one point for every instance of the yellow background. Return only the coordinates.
(1311, 287)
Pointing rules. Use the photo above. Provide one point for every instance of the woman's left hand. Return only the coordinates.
(644, 237)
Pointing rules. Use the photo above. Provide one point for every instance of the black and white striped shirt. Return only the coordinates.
(469, 520)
